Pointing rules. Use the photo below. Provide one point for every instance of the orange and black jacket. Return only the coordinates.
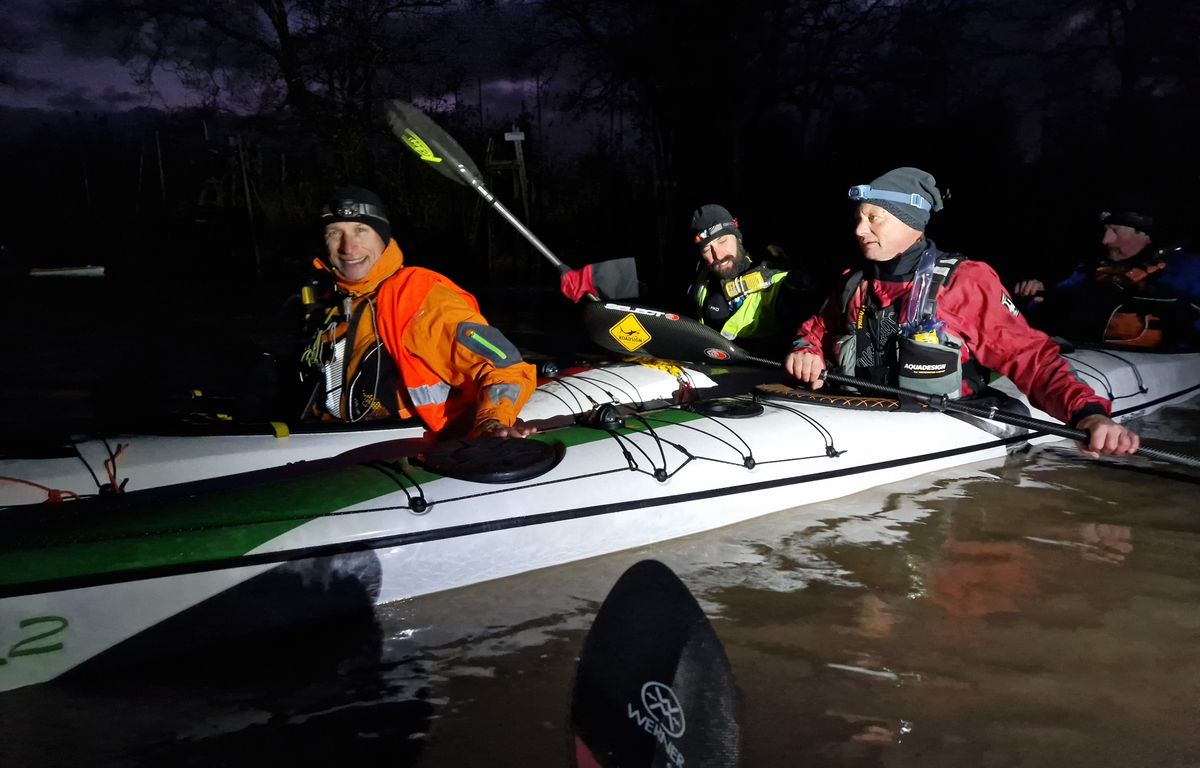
(444, 363)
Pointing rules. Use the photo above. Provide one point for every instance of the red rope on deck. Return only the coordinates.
(53, 495)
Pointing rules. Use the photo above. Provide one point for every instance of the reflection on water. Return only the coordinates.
(1040, 611)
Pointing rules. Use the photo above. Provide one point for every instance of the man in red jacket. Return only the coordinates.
(945, 336)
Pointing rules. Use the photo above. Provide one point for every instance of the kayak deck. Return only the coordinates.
(135, 462)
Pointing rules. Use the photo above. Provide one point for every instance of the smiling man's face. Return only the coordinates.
(723, 256)
(353, 248)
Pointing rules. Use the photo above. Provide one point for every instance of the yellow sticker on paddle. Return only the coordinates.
(418, 145)
(629, 333)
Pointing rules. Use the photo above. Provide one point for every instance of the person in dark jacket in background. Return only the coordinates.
(1139, 296)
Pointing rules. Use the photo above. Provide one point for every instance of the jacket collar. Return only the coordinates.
(902, 268)
(389, 263)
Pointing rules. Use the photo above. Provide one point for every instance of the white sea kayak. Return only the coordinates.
(87, 582)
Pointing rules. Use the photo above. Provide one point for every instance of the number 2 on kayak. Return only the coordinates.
(28, 646)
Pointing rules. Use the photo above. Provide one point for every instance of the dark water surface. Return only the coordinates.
(1038, 611)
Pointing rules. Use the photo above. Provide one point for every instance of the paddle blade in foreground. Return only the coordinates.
(430, 143)
(654, 687)
(644, 332)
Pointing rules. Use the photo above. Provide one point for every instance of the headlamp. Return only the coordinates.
(352, 209)
(864, 192)
(712, 231)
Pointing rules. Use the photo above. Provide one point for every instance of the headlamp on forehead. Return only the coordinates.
(711, 232)
(866, 193)
(352, 209)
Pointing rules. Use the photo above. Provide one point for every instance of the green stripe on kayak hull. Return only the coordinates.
(107, 535)
(102, 537)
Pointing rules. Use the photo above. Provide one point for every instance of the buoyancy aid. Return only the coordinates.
(873, 346)
(1151, 300)
(744, 307)
(1140, 319)
(1131, 274)
(361, 379)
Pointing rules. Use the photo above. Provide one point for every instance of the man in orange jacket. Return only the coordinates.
(407, 341)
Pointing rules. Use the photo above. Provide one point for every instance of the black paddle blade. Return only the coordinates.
(654, 687)
(616, 279)
(430, 143)
(644, 332)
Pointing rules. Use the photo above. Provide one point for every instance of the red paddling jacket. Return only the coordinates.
(979, 316)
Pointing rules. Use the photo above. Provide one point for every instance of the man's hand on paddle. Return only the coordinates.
(1106, 437)
(806, 367)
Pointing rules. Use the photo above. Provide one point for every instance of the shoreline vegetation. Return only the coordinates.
(1034, 116)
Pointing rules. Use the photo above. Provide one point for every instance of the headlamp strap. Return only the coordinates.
(867, 192)
(704, 234)
(352, 209)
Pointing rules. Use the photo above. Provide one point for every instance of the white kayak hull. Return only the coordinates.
(361, 534)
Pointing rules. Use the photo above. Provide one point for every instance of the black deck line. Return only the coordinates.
(1157, 400)
(405, 539)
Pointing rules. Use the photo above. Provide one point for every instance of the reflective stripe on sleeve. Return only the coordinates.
(431, 394)
(495, 393)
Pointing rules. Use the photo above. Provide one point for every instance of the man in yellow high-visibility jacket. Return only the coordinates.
(747, 302)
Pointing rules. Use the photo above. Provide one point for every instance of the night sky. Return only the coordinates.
(1004, 109)
(44, 67)
(56, 73)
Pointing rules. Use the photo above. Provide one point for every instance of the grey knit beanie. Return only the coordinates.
(909, 194)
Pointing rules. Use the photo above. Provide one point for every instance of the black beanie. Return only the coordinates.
(908, 182)
(1142, 222)
(358, 204)
(712, 221)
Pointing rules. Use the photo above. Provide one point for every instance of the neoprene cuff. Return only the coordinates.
(1091, 409)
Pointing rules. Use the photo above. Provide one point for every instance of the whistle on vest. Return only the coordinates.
(744, 284)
